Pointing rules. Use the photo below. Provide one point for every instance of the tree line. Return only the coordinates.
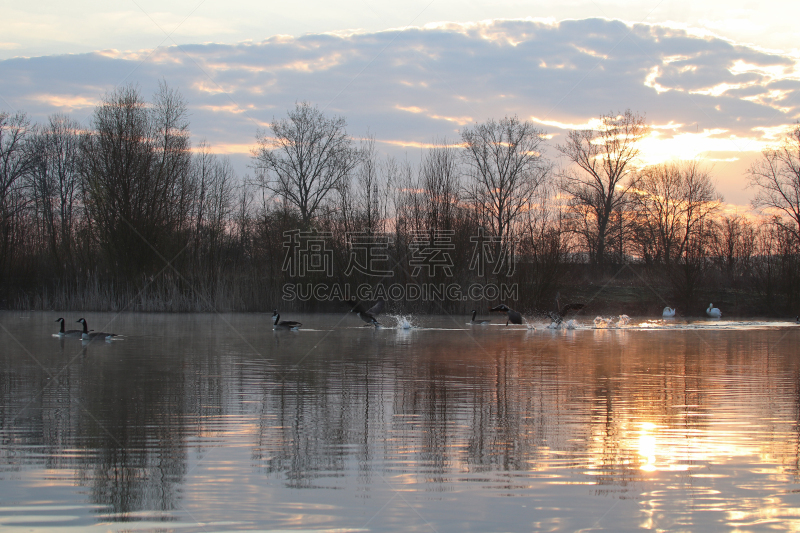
(124, 213)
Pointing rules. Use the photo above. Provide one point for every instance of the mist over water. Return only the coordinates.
(196, 422)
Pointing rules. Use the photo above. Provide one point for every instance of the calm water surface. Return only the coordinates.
(217, 423)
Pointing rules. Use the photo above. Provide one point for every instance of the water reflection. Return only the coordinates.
(203, 418)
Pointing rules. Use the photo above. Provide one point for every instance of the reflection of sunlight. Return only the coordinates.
(647, 447)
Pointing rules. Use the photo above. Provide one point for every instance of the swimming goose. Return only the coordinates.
(713, 312)
(88, 335)
(669, 312)
(70, 333)
(367, 315)
(277, 323)
(513, 316)
(558, 315)
(479, 322)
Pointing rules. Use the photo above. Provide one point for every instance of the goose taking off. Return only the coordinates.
(669, 312)
(367, 315)
(558, 315)
(88, 335)
(713, 312)
(479, 322)
(513, 316)
(277, 323)
(70, 333)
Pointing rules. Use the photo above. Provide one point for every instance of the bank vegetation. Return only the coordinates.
(123, 213)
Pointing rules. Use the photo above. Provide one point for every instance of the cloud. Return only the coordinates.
(703, 96)
(65, 103)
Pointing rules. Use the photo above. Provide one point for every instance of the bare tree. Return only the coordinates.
(368, 191)
(439, 177)
(306, 159)
(136, 161)
(172, 145)
(15, 162)
(505, 169)
(55, 185)
(734, 245)
(675, 203)
(214, 180)
(671, 200)
(604, 158)
(776, 176)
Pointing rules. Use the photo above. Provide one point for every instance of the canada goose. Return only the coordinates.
(285, 324)
(367, 315)
(713, 312)
(558, 315)
(513, 316)
(88, 335)
(479, 322)
(70, 333)
(669, 312)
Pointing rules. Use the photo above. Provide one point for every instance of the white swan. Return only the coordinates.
(669, 312)
(713, 312)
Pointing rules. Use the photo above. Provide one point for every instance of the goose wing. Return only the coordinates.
(376, 309)
(357, 307)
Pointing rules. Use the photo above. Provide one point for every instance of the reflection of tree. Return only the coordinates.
(316, 415)
(133, 420)
(374, 409)
(119, 422)
(430, 415)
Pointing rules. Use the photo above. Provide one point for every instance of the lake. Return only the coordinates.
(202, 422)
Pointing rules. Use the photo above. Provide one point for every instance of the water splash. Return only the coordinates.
(600, 322)
(569, 324)
(403, 321)
(611, 322)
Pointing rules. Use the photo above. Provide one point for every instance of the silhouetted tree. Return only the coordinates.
(598, 187)
(55, 186)
(776, 177)
(137, 177)
(15, 162)
(675, 203)
(506, 167)
(306, 159)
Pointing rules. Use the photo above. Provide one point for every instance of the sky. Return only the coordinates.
(717, 81)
